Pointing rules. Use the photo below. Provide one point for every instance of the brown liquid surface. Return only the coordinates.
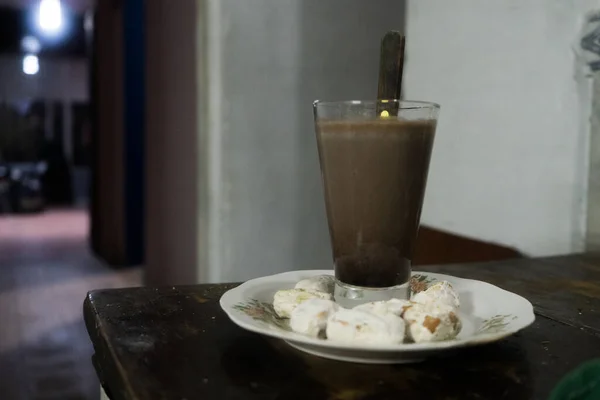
(374, 175)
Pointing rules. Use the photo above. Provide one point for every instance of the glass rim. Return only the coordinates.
(403, 104)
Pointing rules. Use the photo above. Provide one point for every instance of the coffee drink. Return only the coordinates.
(374, 175)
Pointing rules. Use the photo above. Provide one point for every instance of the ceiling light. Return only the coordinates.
(50, 18)
(30, 44)
(31, 64)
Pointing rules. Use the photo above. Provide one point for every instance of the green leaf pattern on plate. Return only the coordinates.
(419, 282)
(496, 324)
(263, 312)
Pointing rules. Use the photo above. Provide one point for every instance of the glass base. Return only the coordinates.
(349, 296)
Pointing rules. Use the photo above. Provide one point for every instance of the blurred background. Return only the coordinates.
(171, 142)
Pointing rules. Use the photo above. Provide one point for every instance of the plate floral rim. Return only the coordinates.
(493, 329)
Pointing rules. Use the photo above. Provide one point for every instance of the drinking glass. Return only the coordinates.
(374, 158)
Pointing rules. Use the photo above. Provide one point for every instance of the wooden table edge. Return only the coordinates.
(104, 354)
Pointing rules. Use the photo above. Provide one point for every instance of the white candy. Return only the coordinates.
(310, 317)
(285, 301)
(319, 283)
(361, 327)
(393, 306)
(431, 322)
(440, 292)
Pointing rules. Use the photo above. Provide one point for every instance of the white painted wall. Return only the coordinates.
(58, 79)
(510, 158)
(263, 209)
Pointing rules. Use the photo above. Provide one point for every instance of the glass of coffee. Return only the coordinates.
(374, 158)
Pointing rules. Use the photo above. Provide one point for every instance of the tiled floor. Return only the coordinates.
(45, 271)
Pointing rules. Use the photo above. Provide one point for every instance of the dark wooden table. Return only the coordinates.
(176, 343)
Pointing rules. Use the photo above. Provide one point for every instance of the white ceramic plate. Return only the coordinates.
(488, 314)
